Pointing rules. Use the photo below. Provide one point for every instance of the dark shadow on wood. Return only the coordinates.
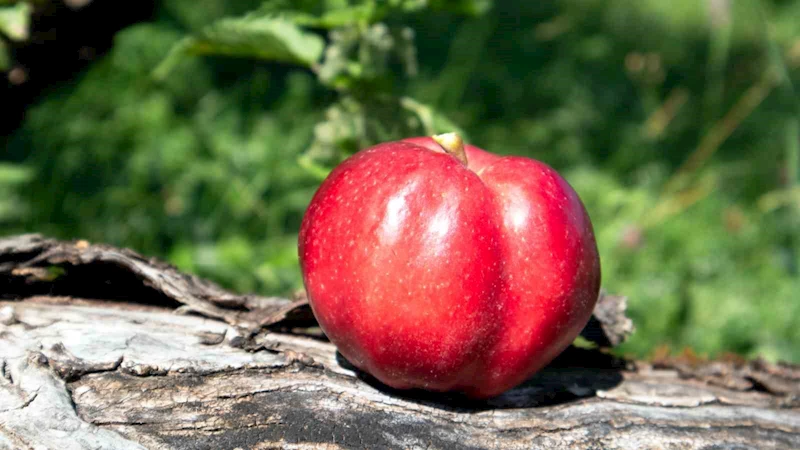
(574, 375)
(101, 281)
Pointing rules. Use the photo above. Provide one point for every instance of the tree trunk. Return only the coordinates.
(94, 354)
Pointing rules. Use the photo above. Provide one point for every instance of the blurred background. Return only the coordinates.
(197, 131)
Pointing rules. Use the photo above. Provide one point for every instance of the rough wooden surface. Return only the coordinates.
(125, 371)
(32, 263)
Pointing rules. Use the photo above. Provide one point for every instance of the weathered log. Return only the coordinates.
(117, 368)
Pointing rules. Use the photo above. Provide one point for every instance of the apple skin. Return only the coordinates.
(429, 273)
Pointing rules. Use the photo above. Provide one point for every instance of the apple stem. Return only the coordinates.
(453, 145)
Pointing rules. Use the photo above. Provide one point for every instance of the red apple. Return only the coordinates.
(439, 266)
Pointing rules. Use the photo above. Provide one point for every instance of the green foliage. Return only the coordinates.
(15, 21)
(15, 26)
(168, 167)
(264, 37)
(12, 206)
(5, 58)
(202, 136)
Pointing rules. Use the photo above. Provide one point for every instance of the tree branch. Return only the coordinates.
(123, 370)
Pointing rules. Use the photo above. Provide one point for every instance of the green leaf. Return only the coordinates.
(15, 21)
(13, 174)
(270, 38)
(361, 14)
(466, 7)
(5, 58)
(328, 14)
(343, 17)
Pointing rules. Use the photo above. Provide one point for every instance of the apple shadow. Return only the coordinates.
(576, 374)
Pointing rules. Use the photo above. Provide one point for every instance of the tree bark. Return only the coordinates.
(101, 348)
